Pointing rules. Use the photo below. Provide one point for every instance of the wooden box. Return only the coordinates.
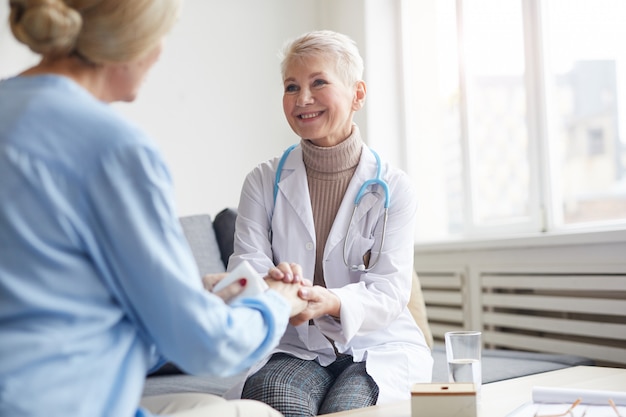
(443, 400)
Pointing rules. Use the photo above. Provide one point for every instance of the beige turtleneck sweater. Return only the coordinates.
(329, 171)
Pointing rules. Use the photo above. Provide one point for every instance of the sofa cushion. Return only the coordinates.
(417, 307)
(224, 227)
(199, 232)
(172, 384)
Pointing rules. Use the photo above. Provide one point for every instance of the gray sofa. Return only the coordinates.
(212, 243)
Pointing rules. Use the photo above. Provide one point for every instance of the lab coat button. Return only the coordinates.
(309, 246)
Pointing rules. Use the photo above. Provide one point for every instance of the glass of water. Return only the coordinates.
(463, 356)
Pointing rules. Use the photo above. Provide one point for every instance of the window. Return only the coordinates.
(528, 127)
(595, 141)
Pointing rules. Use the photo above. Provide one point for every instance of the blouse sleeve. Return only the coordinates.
(146, 262)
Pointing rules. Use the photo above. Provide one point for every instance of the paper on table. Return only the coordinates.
(555, 401)
(569, 395)
(583, 410)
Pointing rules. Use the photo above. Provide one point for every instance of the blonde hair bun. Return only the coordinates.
(47, 27)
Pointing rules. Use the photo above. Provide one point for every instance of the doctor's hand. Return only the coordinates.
(289, 273)
(210, 280)
(320, 301)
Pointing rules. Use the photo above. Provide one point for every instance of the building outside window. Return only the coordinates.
(530, 116)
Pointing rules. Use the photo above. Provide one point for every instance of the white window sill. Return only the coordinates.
(561, 238)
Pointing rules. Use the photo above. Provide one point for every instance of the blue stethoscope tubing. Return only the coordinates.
(359, 195)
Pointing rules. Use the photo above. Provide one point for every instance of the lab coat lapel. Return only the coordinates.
(293, 192)
(294, 188)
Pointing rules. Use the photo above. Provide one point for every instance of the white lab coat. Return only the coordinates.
(375, 325)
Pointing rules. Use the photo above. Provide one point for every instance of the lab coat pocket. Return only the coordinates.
(359, 250)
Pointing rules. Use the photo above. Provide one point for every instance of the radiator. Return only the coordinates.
(553, 311)
(579, 314)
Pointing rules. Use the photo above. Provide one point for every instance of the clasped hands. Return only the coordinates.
(307, 301)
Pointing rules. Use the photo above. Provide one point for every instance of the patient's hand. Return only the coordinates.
(227, 293)
(320, 302)
(289, 291)
(286, 278)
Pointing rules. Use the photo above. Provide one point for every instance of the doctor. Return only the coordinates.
(356, 344)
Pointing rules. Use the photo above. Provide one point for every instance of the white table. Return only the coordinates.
(500, 398)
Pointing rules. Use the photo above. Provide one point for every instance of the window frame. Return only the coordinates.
(544, 216)
(539, 177)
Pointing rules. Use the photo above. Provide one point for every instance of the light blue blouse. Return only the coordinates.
(97, 282)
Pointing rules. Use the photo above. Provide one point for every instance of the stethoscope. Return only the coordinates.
(357, 200)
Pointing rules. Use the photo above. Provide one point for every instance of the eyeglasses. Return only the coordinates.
(574, 404)
(568, 411)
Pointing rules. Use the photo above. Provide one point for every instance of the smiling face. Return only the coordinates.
(318, 104)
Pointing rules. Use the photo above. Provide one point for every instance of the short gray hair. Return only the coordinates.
(330, 44)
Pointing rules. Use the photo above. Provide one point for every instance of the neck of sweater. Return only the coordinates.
(333, 160)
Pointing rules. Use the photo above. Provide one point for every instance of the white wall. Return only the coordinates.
(213, 102)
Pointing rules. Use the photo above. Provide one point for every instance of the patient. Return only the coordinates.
(97, 282)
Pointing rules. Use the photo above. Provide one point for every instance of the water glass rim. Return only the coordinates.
(464, 332)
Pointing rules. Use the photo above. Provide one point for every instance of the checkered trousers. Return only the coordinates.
(302, 388)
